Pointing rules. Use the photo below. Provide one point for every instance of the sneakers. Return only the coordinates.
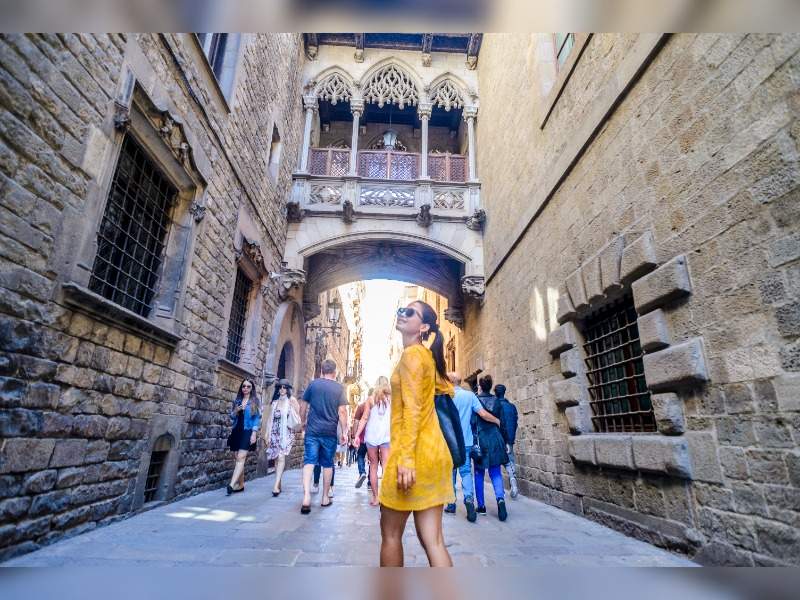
(481, 510)
(315, 488)
(471, 514)
(514, 487)
(450, 509)
(502, 513)
(360, 481)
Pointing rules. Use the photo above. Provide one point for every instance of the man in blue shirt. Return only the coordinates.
(467, 403)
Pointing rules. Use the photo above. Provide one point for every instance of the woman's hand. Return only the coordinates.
(239, 407)
(406, 478)
(253, 437)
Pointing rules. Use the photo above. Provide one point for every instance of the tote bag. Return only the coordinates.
(450, 424)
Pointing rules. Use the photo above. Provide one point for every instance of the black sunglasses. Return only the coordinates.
(408, 312)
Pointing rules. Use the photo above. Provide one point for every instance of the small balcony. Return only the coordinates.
(388, 164)
(387, 181)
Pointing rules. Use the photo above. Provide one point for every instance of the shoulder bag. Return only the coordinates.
(450, 424)
(292, 418)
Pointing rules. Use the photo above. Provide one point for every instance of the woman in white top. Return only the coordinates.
(375, 423)
(279, 436)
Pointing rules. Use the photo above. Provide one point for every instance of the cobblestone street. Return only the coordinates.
(255, 529)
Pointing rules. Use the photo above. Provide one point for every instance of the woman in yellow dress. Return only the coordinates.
(418, 474)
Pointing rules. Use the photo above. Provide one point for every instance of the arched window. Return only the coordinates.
(391, 85)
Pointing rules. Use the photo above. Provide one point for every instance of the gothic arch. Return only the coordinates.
(391, 81)
(448, 91)
(333, 84)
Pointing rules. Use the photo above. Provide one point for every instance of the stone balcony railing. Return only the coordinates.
(387, 181)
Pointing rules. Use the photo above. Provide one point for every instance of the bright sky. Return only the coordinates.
(377, 315)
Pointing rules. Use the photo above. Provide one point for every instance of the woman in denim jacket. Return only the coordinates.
(245, 419)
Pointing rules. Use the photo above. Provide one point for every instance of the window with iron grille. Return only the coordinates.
(157, 460)
(241, 293)
(618, 392)
(130, 241)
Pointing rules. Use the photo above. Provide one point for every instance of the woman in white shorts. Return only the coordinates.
(375, 422)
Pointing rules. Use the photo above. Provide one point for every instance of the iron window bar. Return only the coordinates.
(619, 397)
(157, 460)
(130, 239)
(241, 292)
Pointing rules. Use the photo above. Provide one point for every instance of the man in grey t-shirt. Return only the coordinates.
(324, 406)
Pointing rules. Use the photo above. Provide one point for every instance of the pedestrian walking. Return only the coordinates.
(375, 425)
(418, 475)
(284, 418)
(324, 408)
(246, 419)
(361, 454)
(510, 427)
(467, 404)
(492, 449)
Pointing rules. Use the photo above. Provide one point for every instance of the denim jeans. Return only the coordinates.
(496, 475)
(361, 459)
(511, 467)
(465, 471)
(318, 471)
(319, 450)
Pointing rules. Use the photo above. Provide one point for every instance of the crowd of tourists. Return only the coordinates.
(422, 429)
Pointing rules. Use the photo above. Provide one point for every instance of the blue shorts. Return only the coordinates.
(319, 449)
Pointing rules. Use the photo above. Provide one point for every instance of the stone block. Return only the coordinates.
(90, 426)
(614, 451)
(13, 508)
(56, 425)
(704, 459)
(96, 451)
(662, 454)
(568, 392)
(638, 258)
(787, 391)
(41, 481)
(668, 410)
(571, 362)
(592, 280)
(50, 503)
(667, 283)
(581, 449)
(566, 312)
(579, 418)
(576, 291)
(21, 454)
(69, 477)
(68, 453)
(18, 422)
(653, 331)
(610, 262)
(679, 366)
(562, 338)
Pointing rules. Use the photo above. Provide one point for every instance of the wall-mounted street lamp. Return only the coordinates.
(314, 331)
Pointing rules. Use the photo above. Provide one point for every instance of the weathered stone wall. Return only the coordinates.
(82, 398)
(701, 153)
(335, 348)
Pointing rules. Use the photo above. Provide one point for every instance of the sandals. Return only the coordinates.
(305, 509)
(328, 504)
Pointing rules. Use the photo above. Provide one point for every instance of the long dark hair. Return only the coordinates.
(437, 347)
(255, 401)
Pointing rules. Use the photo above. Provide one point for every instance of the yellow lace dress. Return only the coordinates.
(416, 439)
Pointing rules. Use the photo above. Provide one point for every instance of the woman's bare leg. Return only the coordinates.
(280, 465)
(373, 474)
(238, 470)
(428, 523)
(393, 524)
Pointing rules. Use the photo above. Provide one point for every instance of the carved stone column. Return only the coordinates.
(357, 108)
(310, 104)
(424, 112)
(470, 112)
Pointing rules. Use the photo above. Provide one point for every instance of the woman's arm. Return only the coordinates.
(412, 379)
(257, 420)
(364, 418)
(234, 412)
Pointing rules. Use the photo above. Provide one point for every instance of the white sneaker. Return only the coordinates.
(330, 492)
(514, 488)
(315, 488)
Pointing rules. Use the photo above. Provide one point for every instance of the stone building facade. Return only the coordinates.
(648, 185)
(142, 213)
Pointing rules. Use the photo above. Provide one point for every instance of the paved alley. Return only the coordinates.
(255, 529)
